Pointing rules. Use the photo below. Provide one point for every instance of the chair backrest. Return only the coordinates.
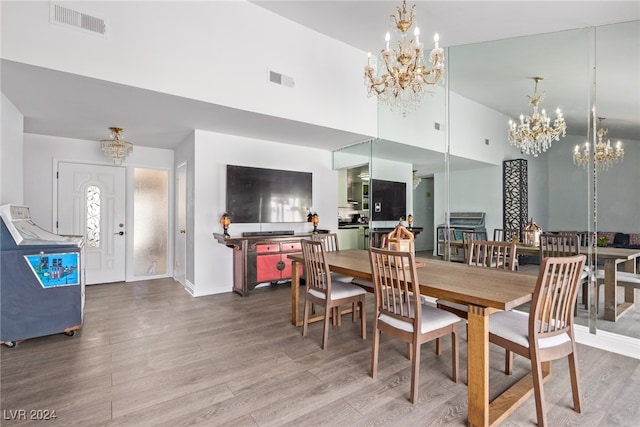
(330, 241)
(559, 245)
(554, 297)
(468, 236)
(505, 234)
(395, 282)
(488, 253)
(318, 276)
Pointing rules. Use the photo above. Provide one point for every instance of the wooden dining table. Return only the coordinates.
(484, 291)
(612, 258)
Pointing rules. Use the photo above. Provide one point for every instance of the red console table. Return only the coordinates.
(260, 259)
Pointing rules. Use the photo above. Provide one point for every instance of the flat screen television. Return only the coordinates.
(258, 195)
(388, 200)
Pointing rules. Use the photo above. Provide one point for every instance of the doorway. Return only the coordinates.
(91, 203)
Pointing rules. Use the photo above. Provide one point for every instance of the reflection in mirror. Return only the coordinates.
(490, 84)
(352, 164)
(617, 63)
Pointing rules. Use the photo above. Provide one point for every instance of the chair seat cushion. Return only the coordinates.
(340, 290)
(622, 276)
(514, 326)
(335, 277)
(432, 319)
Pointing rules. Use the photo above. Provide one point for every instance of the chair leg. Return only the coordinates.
(508, 362)
(454, 355)
(363, 320)
(375, 346)
(353, 311)
(438, 346)
(538, 390)
(415, 372)
(575, 386)
(325, 333)
(409, 351)
(305, 320)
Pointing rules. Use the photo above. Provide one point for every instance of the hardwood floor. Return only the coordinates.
(150, 354)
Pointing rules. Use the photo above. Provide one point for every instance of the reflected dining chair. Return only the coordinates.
(562, 245)
(488, 254)
(505, 234)
(546, 332)
(321, 290)
(468, 236)
(400, 313)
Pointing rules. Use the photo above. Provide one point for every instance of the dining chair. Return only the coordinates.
(330, 241)
(546, 332)
(492, 254)
(445, 236)
(321, 290)
(505, 234)
(400, 313)
(488, 254)
(562, 245)
(468, 236)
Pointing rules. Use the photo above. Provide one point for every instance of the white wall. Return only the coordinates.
(11, 157)
(220, 50)
(213, 151)
(185, 153)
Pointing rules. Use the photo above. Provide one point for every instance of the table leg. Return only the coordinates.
(295, 293)
(613, 310)
(478, 366)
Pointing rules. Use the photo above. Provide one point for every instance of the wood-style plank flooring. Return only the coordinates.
(149, 354)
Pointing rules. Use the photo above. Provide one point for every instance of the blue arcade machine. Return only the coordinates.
(41, 279)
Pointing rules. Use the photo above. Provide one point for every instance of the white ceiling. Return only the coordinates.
(160, 120)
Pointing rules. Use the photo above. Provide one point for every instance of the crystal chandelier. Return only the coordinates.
(116, 148)
(534, 134)
(416, 180)
(605, 155)
(405, 78)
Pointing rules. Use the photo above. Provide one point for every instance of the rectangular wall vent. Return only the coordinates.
(281, 79)
(72, 18)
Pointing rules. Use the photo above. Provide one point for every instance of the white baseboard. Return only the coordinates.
(620, 344)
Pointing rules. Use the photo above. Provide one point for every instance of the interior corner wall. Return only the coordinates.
(11, 153)
(213, 152)
(185, 153)
(42, 153)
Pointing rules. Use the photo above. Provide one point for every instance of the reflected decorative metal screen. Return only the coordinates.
(93, 216)
(515, 203)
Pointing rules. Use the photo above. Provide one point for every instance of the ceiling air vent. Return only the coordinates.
(72, 18)
(281, 79)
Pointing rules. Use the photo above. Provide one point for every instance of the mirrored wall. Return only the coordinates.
(450, 152)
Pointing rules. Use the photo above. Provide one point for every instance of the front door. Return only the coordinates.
(91, 203)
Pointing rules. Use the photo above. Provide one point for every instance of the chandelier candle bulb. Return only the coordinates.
(416, 33)
(387, 38)
(436, 39)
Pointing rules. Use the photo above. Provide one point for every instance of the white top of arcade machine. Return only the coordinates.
(25, 232)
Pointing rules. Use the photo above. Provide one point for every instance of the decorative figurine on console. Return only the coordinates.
(315, 219)
(410, 220)
(225, 221)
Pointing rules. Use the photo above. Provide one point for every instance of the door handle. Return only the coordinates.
(183, 231)
(121, 233)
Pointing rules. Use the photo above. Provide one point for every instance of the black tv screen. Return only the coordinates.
(388, 200)
(257, 195)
